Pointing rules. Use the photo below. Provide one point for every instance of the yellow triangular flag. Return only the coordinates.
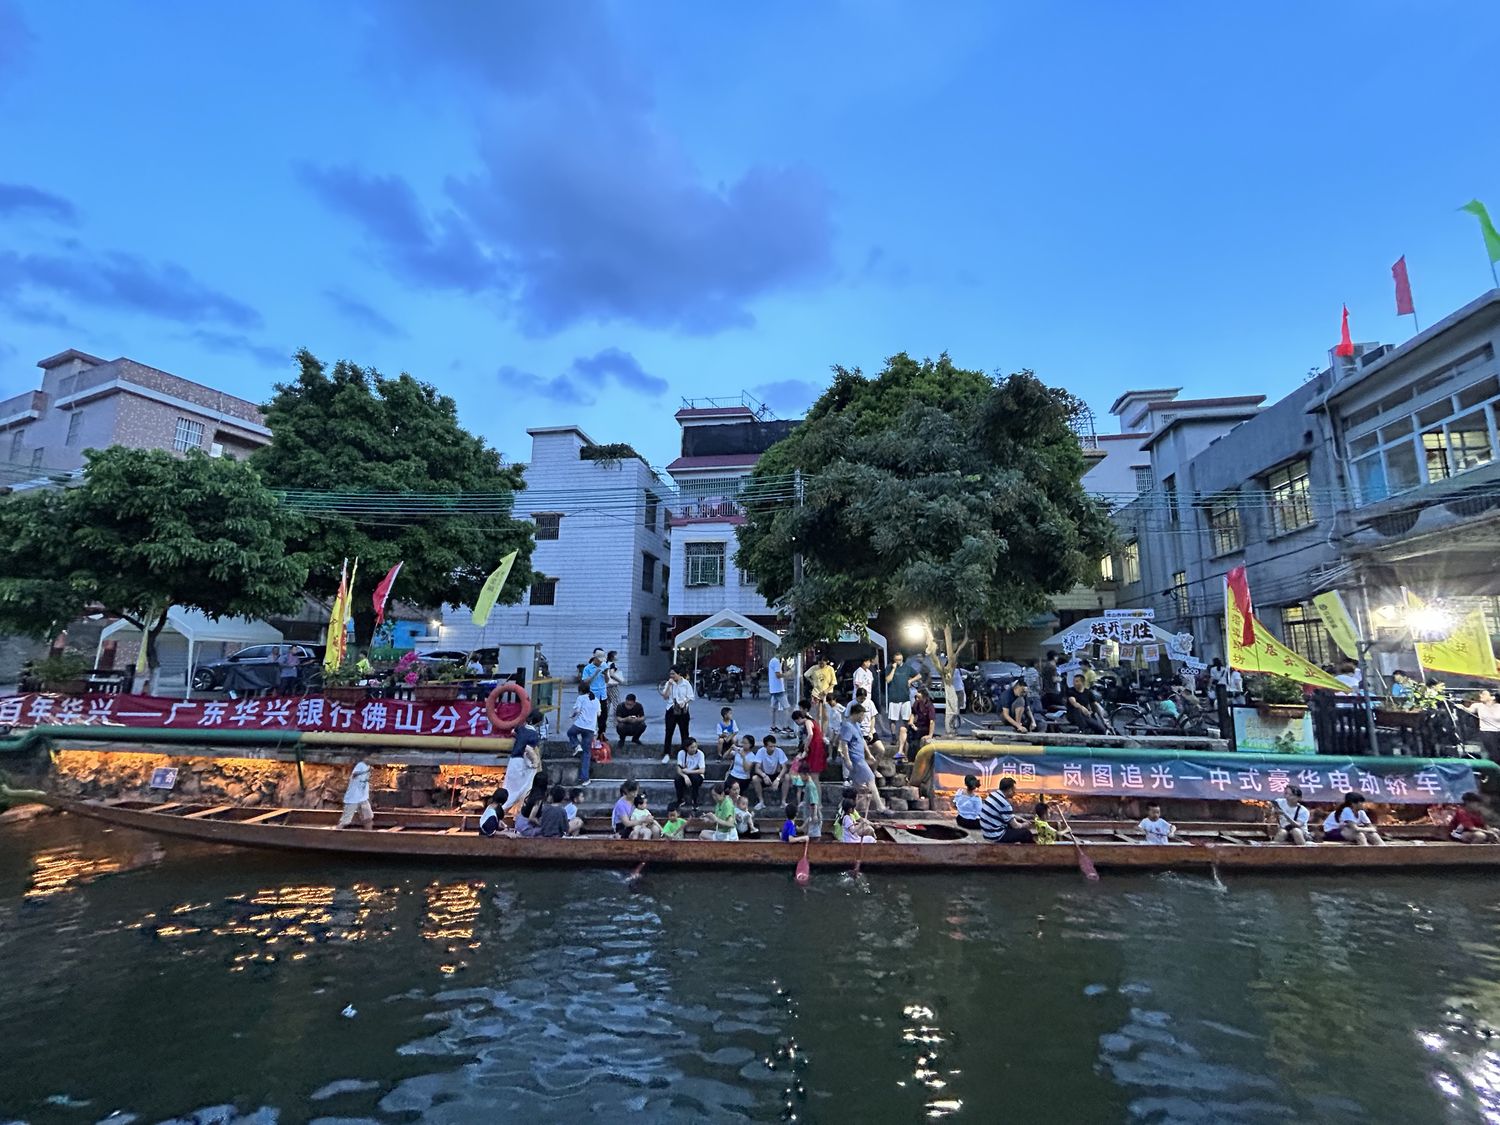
(491, 590)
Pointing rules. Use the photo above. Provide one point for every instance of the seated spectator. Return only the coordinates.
(687, 775)
(966, 804)
(492, 819)
(643, 825)
(791, 833)
(744, 819)
(675, 826)
(1468, 826)
(1350, 823)
(851, 828)
(743, 756)
(721, 816)
(620, 815)
(553, 820)
(923, 721)
(630, 720)
(1084, 710)
(575, 818)
(1021, 715)
(770, 772)
(728, 731)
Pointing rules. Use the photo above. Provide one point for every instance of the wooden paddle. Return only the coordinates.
(1085, 864)
(804, 869)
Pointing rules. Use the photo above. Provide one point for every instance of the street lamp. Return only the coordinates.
(914, 631)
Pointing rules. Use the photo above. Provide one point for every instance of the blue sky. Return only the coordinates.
(582, 211)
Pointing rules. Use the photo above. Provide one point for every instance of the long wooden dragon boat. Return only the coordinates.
(452, 837)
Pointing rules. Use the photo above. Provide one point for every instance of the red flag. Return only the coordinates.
(383, 592)
(1239, 589)
(1404, 307)
(1346, 345)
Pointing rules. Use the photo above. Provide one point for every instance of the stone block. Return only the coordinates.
(896, 804)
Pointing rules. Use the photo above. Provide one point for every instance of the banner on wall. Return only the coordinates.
(273, 713)
(1212, 777)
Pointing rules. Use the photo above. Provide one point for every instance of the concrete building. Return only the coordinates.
(602, 548)
(85, 402)
(721, 443)
(1380, 473)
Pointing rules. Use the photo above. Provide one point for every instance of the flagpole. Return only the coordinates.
(1416, 324)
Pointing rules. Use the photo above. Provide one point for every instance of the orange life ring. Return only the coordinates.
(517, 707)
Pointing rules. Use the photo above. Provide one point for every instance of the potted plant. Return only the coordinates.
(1279, 695)
(344, 685)
(66, 672)
(439, 684)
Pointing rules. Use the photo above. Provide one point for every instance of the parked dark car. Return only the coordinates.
(210, 677)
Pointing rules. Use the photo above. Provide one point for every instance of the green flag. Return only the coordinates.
(491, 590)
(1491, 236)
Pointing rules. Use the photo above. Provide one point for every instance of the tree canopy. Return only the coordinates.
(144, 531)
(936, 491)
(348, 443)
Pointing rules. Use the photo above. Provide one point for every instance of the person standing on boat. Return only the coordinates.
(679, 696)
(525, 757)
(1291, 817)
(357, 797)
(998, 818)
(1350, 824)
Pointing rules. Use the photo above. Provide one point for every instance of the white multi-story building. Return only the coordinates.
(709, 596)
(602, 549)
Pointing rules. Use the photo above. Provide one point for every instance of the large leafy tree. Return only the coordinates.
(143, 531)
(383, 473)
(942, 493)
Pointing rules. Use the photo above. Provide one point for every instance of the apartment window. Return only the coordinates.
(705, 563)
(1180, 594)
(645, 636)
(189, 435)
(75, 427)
(648, 571)
(17, 444)
(652, 506)
(36, 458)
(1224, 524)
(65, 385)
(548, 524)
(1130, 563)
(1143, 481)
(1289, 495)
(1170, 487)
(1107, 568)
(1302, 630)
(544, 591)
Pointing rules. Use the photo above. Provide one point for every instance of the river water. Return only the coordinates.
(151, 980)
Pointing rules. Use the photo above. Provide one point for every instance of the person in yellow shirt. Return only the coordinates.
(822, 679)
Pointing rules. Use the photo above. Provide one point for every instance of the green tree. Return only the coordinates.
(941, 493)
(144, 531)
(384, 473)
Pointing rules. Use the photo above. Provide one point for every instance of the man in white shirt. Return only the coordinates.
(864, 677)
(776, 685)
(357, 798)
(583, 729)
(770, 772)
(1487, 711)
(679, 696)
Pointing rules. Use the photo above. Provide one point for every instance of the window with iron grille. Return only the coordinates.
(652, 504)
(1143, 481)
(189, 435)
(1169, 486)
(1302, 630)
(548, 524)
(75, 426)
(1180, 601)
(544, 591)
(1289, 497)
(705, 563)
(648, 571)
(645, 636)
(1223, 516)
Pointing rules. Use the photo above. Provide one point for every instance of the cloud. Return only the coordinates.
(237, 344)
(43, 316)
(358, 312)
(585, 378)
(585, 207)
(788, 397)
(20, 199)
(440, 251)
(122, 281)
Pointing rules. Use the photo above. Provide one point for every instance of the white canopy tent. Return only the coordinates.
(725, 625)
(190, 637)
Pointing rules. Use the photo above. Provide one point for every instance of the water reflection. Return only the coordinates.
(61, 869)
(929, 1070)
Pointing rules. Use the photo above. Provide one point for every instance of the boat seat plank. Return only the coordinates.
(394, 828)
(204, 814)
(265, 817)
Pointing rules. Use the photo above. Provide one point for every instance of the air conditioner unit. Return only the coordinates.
(216, 450)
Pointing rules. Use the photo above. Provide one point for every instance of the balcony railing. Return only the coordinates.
(707, 508)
